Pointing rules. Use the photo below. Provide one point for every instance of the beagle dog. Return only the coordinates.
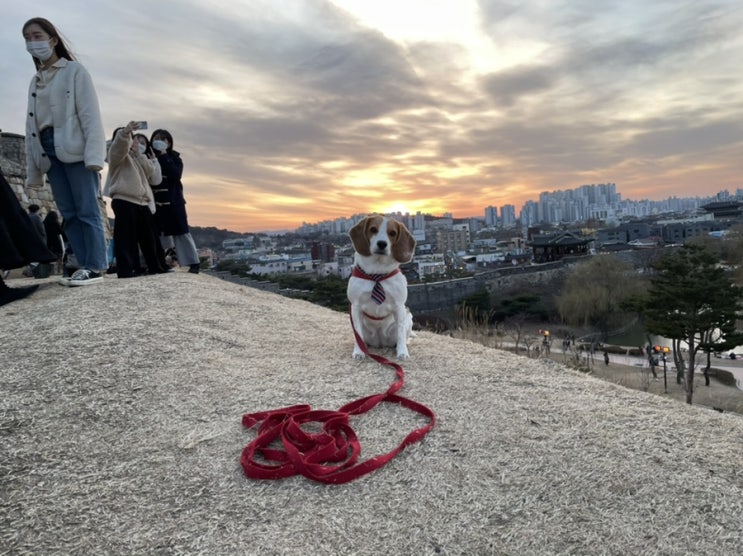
(377, 289)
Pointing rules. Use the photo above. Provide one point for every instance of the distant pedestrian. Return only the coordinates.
(37, 269)
(33, 213)
(54, 237)
(606, 357)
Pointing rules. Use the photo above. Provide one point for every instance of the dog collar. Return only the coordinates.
(358, 273)
(377, 293)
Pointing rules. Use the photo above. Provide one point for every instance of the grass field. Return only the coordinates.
(717, 395)
(721, 394)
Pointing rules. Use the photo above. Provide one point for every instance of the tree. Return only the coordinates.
(516, 329)
(718, 340)
(733, 251)
(331, 292)
(644, 259)
(529, 304)
(476, 307)
(595, 291)
(692, 299)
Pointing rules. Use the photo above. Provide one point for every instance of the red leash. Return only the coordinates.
(330, 456)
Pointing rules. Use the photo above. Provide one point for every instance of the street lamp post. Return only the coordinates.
(665, 382)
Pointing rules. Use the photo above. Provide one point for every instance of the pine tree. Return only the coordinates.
(692, 299)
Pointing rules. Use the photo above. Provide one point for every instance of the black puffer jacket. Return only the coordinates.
(170, 205)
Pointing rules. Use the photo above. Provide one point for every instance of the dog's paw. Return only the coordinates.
(402, 355)
(358, 354)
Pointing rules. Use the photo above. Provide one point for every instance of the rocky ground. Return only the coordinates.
(121, 433)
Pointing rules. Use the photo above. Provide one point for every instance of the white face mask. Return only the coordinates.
(141, 148)
(40, 49)
(159, 145)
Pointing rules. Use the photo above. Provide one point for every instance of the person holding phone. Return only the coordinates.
(130, 173)
(170, 213)
(65, 140)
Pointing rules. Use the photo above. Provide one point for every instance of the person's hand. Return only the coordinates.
(131, 127)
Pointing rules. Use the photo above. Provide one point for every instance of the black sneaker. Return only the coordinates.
(84, 277)
(8, 295)
(67, 272)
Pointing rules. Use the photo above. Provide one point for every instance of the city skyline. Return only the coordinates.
(582, 212)
(287, 112)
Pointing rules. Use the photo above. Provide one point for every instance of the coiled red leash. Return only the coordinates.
(330, 456)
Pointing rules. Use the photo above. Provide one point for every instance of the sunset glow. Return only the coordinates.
(292, 112)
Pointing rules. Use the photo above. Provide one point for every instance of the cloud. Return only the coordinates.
(300, 111)
(508, 87)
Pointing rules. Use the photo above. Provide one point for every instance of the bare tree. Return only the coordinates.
(515, 328)
(595, 291)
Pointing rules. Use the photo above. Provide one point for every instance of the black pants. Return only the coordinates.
(19, 242)
(133, 230)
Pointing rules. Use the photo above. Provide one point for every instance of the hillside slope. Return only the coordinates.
(120, 421)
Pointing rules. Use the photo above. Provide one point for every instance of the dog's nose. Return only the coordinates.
(382, 244)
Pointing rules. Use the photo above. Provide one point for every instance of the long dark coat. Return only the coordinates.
(54, 235)
(170, 212)
(20, 244)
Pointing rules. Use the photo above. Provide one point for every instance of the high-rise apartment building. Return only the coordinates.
(491, 216)
(420, 221)
(575, 205)
(529, 215)
(322, 251)
(453, 241)
(507, 216)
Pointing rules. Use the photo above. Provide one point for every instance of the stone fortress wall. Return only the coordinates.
(13, 166)
(446, 295)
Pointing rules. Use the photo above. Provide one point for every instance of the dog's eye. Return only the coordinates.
(373, 229)
(392, 233)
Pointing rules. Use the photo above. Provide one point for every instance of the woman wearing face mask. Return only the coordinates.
(130, 173)
(65, 140)
(146, 148)
(170, 213)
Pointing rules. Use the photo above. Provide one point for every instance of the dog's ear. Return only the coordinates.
(403, 248)
(359, 239)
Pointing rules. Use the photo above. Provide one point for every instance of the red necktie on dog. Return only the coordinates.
(377, 293)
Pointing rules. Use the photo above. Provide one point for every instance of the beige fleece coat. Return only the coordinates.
(78, 128)
(130, 175)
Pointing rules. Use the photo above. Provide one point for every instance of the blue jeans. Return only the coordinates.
(75, 190)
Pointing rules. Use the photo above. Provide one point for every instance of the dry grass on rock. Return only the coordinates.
(120, 427)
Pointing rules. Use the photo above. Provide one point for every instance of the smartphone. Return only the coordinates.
(142, 125)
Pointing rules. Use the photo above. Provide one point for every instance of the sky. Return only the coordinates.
(302, 111)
